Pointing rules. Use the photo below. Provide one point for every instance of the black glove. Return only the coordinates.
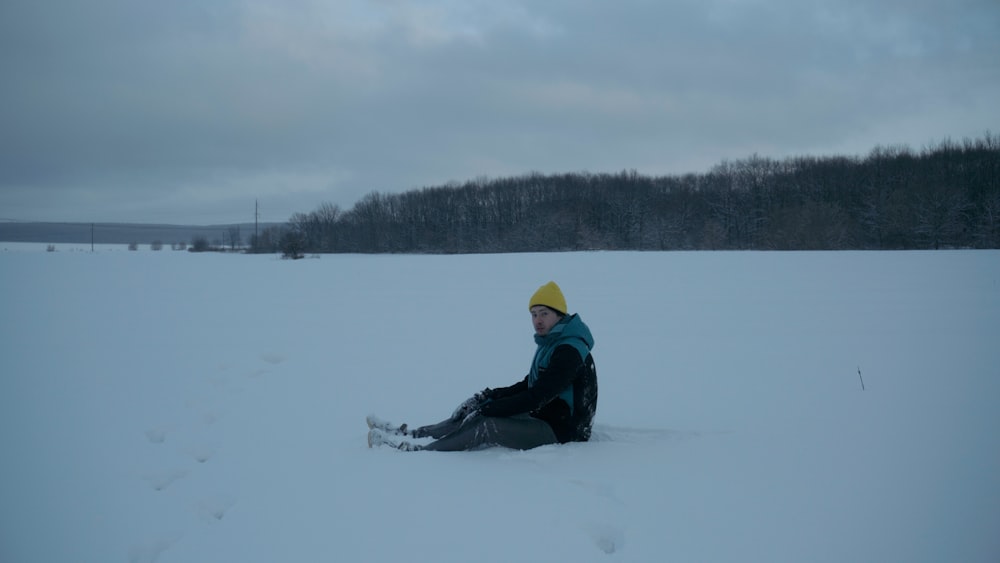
(472, 404)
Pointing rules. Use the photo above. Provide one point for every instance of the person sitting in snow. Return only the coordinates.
(554, 403)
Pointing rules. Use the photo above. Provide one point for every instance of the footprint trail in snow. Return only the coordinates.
(181, 454)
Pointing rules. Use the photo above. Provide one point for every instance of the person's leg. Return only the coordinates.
(436, 431)
(520, 432)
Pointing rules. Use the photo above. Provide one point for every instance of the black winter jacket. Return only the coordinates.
(542, 400)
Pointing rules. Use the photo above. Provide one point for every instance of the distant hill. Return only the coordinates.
(123, 233)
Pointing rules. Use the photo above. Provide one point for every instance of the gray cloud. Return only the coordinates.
(188, 111)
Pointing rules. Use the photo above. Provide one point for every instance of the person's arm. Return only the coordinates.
(473, 403)
(562, 370)
(503, 392)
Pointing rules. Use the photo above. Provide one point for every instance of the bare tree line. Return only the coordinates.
(945, 196)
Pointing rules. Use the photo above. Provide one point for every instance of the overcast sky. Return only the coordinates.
(186, 111)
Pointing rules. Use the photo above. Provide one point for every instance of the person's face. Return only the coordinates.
(543, 319)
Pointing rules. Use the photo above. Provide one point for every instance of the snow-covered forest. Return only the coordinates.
(944, 196)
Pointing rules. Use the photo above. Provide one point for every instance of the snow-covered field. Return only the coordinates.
(173, 407)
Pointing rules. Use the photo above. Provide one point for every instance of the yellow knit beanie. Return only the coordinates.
(551, 296)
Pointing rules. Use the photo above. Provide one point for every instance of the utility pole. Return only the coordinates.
(91, 237)
(256, 217)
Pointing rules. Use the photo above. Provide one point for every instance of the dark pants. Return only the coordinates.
(521, 432)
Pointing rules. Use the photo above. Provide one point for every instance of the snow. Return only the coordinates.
(177, 407)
